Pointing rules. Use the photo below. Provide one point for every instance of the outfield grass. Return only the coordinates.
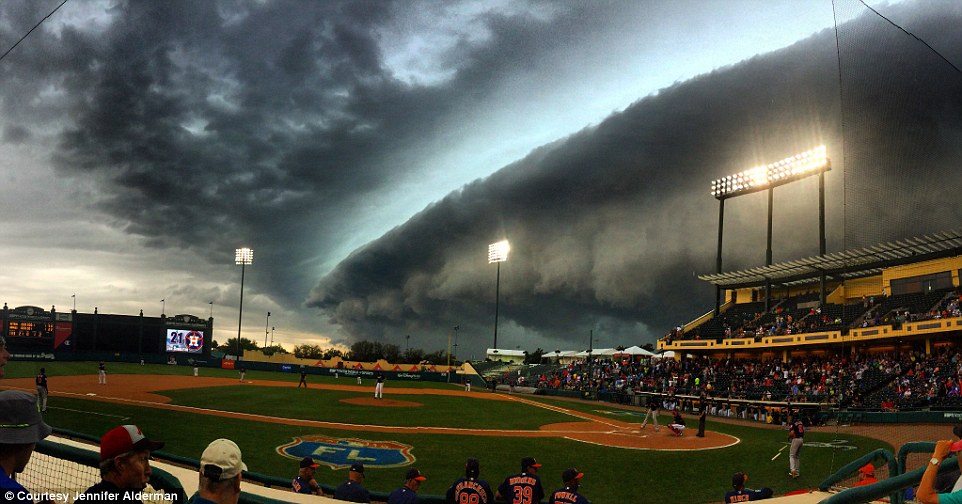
(612, 475)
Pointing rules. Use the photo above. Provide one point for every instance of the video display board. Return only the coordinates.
(185, 340)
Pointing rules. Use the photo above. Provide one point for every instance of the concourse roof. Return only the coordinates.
(846, 264)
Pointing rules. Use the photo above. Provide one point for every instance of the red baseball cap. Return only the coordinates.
(125, 439)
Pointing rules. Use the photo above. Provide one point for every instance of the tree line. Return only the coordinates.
(363, 351)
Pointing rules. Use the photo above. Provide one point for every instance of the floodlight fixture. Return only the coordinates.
(498, 252)
(243, 256)
(787, 170)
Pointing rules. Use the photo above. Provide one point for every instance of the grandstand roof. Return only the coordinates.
(845, 264)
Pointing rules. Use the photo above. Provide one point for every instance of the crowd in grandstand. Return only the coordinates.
(888, 381)
(804, 315)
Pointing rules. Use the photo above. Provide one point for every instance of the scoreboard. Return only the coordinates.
(185, 340)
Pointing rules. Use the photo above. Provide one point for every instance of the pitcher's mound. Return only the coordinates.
(387, 403)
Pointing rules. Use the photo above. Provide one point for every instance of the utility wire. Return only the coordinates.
(4, 55)
(879, 14)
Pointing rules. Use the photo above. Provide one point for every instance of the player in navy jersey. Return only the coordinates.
(524, 487)
(42, 390)
(408, 494)
(569, 494)
(469, 489)
(796, 436)
(352, 490)
(742, 494)
(304, 482)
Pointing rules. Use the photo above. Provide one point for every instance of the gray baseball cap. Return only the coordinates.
(20, 420)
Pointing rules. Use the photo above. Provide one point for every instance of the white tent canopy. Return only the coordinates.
(634, 351)
(670, 354)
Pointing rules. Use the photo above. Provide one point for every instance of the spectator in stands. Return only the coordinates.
(4, 355)
(408, 494)
(124, 465)
(220, 474)
(21, 428)
(742, 494)
(927, 493)
(951, 481)
(304, 482)
(352, 490)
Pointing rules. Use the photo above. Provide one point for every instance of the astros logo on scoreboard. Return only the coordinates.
(341, 453)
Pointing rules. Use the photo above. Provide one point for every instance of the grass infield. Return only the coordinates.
(612, 475)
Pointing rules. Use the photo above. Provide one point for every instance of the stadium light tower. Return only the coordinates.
(498, 253)
(770, 176)
(243, 257)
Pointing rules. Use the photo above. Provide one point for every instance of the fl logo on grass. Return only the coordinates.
(341, 453)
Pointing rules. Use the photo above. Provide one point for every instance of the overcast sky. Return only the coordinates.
(370, 151)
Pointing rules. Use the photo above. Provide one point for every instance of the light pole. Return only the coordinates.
(243, 257)
(766, 178)
(266, 328)
(272, 335)
(407, 343)
(497, 253)
(456, 328)
(163, 306)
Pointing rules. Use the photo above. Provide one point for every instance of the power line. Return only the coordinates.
(879, 14)
(4, 55)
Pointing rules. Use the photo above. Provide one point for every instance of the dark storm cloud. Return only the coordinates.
(211, 125)
(611, 223)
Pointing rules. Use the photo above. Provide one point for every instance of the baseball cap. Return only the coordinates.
(309, 462)
(124, 439)
(20, 421)
(571, 474)
(414, 474)
(221, 460)
(738, 479)
(472, 467)
(956, 446)
(868, 469)
(529, 462)
(358, 468)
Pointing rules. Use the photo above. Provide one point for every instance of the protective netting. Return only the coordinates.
(48, 473)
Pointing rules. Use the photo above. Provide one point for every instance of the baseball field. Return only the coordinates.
(431, 426)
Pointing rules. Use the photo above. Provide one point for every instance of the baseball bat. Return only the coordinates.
(779, 453)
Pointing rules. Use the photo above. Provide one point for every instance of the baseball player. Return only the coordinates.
(196, 370)
(304, 482)
(379, 386)
(42, 390)
(408, 494)
(353, 490)
(569, 494)
(359, 378)
(303, 378)
(742, 494)
(654, 405)
(470, 488)
(243, 373)
(796, 435)
(101, 373)
(522, 488)
(677, 424)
